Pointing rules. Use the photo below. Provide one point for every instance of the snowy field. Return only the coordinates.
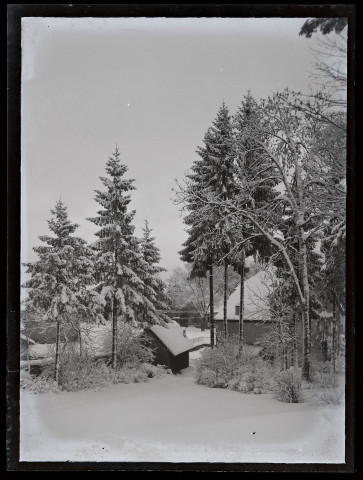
(171, 419)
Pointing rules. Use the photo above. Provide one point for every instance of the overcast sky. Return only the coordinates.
(153, 86)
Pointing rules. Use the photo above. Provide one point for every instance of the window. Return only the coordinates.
(237, 310)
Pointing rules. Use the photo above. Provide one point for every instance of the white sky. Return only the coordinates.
(153, 86)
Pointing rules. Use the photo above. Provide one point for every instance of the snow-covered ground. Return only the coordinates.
(171, 419)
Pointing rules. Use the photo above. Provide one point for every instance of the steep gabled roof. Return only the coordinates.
(172, 337)
(257, 289)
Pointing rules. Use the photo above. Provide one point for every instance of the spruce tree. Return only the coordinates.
(198, 250)
(120, 266)
(211, 174)
(250, 181)
(60, 279)
(154, 285)
(221, 184)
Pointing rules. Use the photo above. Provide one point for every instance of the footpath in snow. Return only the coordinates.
(171, 419)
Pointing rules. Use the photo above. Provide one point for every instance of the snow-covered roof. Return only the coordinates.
(256, 293)
(172, 337)
(23, 337)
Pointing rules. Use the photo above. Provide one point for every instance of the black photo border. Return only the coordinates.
(15, 12)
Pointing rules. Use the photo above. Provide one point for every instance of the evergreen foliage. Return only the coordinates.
(59, 287)
(151, 274)
(123, 274)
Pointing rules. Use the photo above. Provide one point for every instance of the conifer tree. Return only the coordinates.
(222, 184)
(249, 175)
(120, 266)
(212, 174)
(60, 279)
(198, 248)
(151, 275)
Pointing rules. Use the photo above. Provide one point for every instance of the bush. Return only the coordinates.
(132, 346)
(323, 376)
(37, 384)
(207, 377)
(154, 371)
(287, 386)
(78, 372)
(340, 364)
(225, 367)
(83, 372)
(128, 374)
(330, 396)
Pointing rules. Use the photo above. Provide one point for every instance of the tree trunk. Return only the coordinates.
(80, 342)
(334, 333)
(57, 359)
(241, 300)
(211, 306)
(114, 333)
(284, 346)
(202, 323)
(294, 355)
(225, 328)
(28, 354)
(305, 305)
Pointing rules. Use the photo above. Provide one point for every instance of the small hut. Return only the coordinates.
(171, 347)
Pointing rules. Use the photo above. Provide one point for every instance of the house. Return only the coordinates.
(171, 347)
(325, 339)
(256, 320)
(185, 316)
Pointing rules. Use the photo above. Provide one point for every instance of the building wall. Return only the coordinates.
(164, 357)
(252, 330)
(179, 361)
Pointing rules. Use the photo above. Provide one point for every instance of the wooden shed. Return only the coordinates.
(171, 348)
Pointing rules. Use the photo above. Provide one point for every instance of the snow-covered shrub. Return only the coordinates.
(87, 374)
(128, 374)
(330, 396)
(242, 383)
(78, 372)
(132, 346)
(287, 386)
(153, 371)
(323, 376)
(226, 367)
(222, 360)
(340, 364)
(207, 377)
(36, 383)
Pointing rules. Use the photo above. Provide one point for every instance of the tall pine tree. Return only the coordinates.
(250, 178)
(221, 184)
(58, 286)
(212, 174)
(151, 276)
(120, 267)
(198, 249)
